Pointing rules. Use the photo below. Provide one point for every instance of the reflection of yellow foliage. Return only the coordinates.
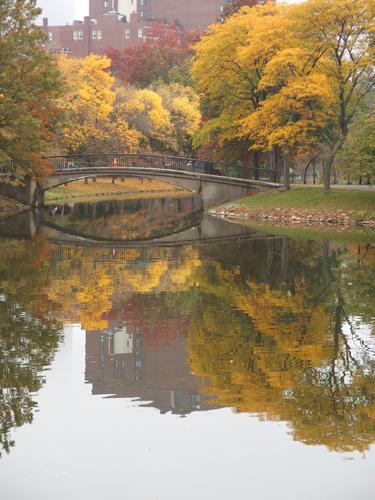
(94, 300)
(81, 290)
(183, 273)
(83, 298)
(146, 278)
(269, 351)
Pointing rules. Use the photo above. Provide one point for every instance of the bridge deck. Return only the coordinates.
(162, 162)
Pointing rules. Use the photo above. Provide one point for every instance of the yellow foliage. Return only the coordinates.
(145, 112)
(90, 115)
(294, 118)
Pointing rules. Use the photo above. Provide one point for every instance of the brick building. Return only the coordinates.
(122, 23)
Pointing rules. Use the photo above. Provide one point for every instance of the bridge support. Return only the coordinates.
(29, 193)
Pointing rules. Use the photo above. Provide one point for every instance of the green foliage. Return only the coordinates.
(29, 83)
(357, 157)
(28, 337)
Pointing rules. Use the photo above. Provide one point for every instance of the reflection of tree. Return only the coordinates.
(27, 346)
(273, 325)
(83, 290)
(290, 350)
(28, 339)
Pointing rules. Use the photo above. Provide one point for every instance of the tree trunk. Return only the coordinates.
(314, 173)
(306, 170)
(286, 172)
(327, 176)
(325, 262)
(284, 259)
(256, 165)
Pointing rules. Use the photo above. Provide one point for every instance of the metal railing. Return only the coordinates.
(136, 160)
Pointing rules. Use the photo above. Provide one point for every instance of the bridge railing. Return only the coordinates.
(247, 172)
(134, 160)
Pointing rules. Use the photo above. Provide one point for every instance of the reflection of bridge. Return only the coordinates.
(196, 240)
(210, 231)
(215, 183)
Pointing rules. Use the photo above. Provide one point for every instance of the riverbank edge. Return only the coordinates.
(284, 208)
(9, 207)
(240, 214)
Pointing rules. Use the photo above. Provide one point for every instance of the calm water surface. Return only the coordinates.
(191, 359)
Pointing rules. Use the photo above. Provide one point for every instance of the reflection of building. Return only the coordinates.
(119, 363)
(122, 23)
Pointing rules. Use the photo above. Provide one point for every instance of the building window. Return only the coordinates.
(77, 35)
(140, 33)
(142, 13)
(127, 33)
(94, 35)
(106, 4)
(99, 35)
(50, 36)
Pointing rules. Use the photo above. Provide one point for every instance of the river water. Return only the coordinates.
(149, 352)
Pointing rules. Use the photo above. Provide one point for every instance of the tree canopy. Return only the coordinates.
(292, 77)
(29, 85)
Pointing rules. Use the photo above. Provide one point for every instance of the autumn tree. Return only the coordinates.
(29, 84)
(145, 112)
(92, 117)
(326, 70)
(344, 38)
(288, 77)
(164, 50)
(228, 65)
(183, 105)
(357, 157)
(234, 6)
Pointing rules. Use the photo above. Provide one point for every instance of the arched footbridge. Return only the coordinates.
(215, 183)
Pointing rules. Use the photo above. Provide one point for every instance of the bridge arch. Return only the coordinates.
(215, 183)
(59, 180)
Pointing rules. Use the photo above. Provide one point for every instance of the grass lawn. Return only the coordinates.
(104, 186)
(313, 198)
(351, 235)
(357, 203)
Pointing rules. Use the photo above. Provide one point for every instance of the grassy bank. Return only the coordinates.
(9, 206)
(105, 187)
(305, 205)
(337, 233)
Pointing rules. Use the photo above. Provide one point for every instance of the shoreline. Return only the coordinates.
(9, 207)
(288, 217)
(303, 207)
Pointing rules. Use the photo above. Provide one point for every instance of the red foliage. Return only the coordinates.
(163, 47)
